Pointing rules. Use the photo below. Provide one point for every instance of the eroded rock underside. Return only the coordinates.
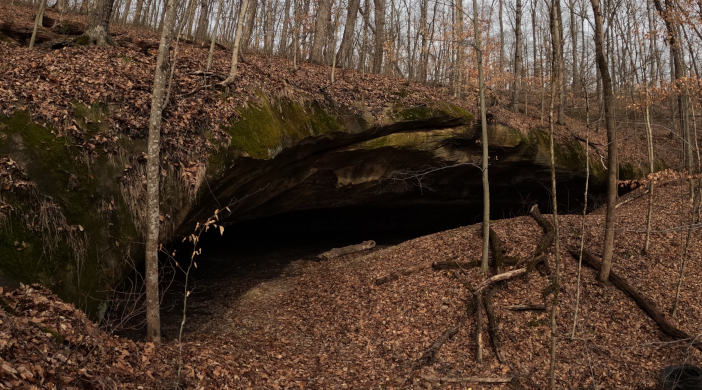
(71, 216)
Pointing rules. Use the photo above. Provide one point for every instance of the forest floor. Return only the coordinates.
(327, 325)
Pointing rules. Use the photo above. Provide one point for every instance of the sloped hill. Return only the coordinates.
(329, 325)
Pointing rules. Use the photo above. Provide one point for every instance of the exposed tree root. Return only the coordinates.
(647, 306)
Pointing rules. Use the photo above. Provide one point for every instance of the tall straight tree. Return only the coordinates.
(517, 55)
(483, 120)
(459, 55)
(574, 40)
(214, 33)
(346, 48)
(678, 73)
(99, 12)
(556, 79)
(237, 42)
(379, 46)
(153, 174)
(321, 28)
(612, 162)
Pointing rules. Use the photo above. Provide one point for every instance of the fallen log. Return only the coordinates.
(526, 308)
(452, 264)
(493, 325)
(479, 327)
(347, 250)
(647, 306)
(428, 355)
(547, 239)
(500, 277)
(474, 379)
(405, 272)
(499, 258)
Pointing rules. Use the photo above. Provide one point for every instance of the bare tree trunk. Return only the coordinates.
(336, 27)
(345, 50)
(237, 42)
(321, 28)
(203, 22)
(459, 47)
(37, 23)
(484, 140)
(574, 39)
(153, 174)
(582, 223)
(214, 33)
(98, 29)
(268, 29)
(296, 37)
(556, 79)
(561, 64)
(137, 12)
(423, 54)
(379, 46)
(517, 56)
(126, 11)
(502, 38)
(603, 275)
(364, 48)
(283, 45)
(250, 24)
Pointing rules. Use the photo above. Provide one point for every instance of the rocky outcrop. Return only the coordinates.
(284, 155)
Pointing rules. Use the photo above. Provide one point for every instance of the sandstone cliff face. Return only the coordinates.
(70, 214)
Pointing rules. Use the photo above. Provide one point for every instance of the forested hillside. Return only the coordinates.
(175, 173)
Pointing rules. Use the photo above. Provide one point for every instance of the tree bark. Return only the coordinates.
(153, 174)
(214, 33)
(321, 28)
(379, 46)
(345, 50)
(484, 141)
(237, 42)
(283, 45)
(556, 78)
(574, 40)
(561, 64)
(203, 22)
(517, 56)
(460, 66)
(250, 24)
(37, 23)
(603, 275)
(137, 12)
(125, 14)
(98, 30)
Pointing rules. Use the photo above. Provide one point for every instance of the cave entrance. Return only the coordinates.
(261, 250)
